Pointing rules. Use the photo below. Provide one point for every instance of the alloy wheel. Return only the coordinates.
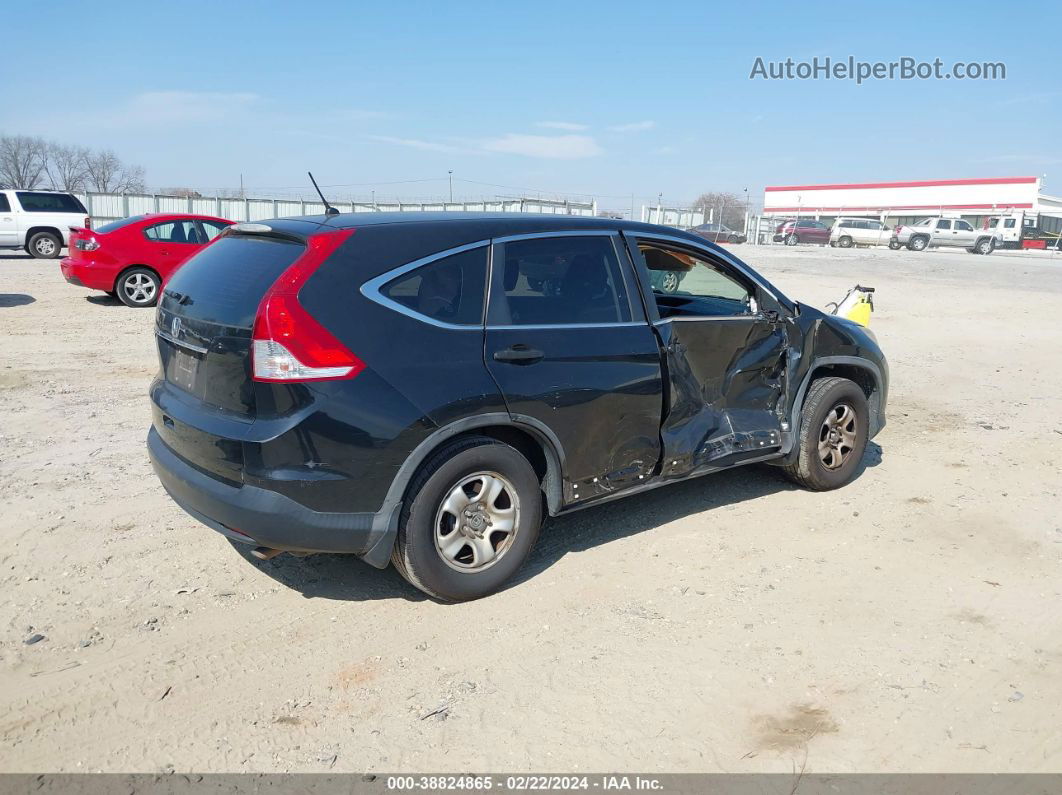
(139, 288)
(476, 524)
(837, 436)
(45, 246)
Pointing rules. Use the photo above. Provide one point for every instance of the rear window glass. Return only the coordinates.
(49, 203)
(5, 205)
(225, 282)
(449, 290)
(113, 225)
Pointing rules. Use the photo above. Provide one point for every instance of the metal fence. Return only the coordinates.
(106, 207)
(681, 217)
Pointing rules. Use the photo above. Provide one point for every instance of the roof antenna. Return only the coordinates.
(329, 209)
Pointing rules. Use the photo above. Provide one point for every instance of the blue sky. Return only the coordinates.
(609, 98)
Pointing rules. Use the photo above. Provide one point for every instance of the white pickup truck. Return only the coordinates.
(938, 231)
(39, 221)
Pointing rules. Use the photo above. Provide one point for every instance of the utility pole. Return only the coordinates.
(451, 173)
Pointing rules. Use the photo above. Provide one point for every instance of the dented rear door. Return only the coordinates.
(726, 357)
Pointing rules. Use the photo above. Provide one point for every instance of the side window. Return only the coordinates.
(49, 203)
(173, 232)
(5, 205)
(449, 290)
(963, 226)
(212, 228)
(943, 224)
(687, 285)
(846, 224)
(560, 281)
(1008, 223)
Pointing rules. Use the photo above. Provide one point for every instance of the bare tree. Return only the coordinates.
(184, 193)
(66, 166)
(729, 208)
(23, 161)
(105, 173)
(131, 180)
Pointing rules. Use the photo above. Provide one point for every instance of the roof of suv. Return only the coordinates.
(510, 223)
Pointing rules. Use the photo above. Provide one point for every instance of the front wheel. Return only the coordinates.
(44, 245)
(473, 514)
(138, 287)
(791, 240)
(834, 426)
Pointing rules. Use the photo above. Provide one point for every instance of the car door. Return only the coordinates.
(877, 234)
(963, 234)
(8, 225)
(573, 354)
(170, 243)
(726, 353)
(941, 234)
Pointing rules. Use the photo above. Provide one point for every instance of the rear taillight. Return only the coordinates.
(88, 222)
(86, 244)
(288, 344)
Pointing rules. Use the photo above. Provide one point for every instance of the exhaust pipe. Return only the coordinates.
(265, 553)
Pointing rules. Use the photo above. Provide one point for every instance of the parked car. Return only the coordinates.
(951, 232)
(803, 230)
(391, 385)
(132, 258)
(718, 233)
(38, 221)
(848, 232)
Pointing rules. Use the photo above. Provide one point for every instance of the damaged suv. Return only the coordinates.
(426, 388)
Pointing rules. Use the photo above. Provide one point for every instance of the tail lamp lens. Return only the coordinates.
(289, 345)
(86, 244)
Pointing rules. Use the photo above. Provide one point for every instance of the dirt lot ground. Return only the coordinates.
(910, 622)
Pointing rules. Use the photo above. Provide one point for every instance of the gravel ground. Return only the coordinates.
(909, 622)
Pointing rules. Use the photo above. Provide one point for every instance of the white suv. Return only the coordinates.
(848, 232)
(39, 221)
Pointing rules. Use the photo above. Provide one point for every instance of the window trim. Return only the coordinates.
(628, 287)
(373, 288)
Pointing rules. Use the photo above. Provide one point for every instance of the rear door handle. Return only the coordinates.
(519, 354)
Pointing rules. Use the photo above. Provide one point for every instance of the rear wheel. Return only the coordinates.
(834, 424)
(44, 245)
(472, 516)
(670, 281)
(845, 241)
(138, 287)
(918, 243)
(985, 246)
(894, 245)
(791, 240)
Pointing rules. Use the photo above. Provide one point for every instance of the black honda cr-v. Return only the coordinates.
(425, 388)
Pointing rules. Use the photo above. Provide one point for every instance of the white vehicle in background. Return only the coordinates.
(944, 232)
(848, 232)
(39, 221)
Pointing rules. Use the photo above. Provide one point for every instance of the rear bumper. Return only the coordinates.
(266, 518)
(82, 275)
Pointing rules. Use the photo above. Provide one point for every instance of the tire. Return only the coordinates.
(918, 243)
(670, 282)
(429, 551)
(834, 408)
(44, 245)
(985, 245)
(791, 240)
(894, 245)
(732, 239)
(844, 241)
(138, 287)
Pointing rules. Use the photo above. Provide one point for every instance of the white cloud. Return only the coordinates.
(415, 143)
(560, 147)
(562, 125)
(634, 126)
(179, 107)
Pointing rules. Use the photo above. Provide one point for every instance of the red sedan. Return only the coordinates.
(134, 257)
